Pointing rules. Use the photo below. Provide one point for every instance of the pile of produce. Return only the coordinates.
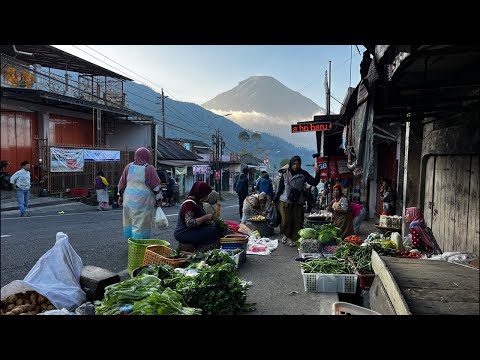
(353, 239)
(362, 258)
(345, 250)
(219, 223)
(209, 286)
(311, 239)
(327, 266)
(168, 302)
(28, 303)
(217, 290)
(258, 218)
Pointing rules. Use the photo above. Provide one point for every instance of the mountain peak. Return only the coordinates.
(266, 95)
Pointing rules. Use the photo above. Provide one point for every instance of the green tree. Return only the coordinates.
(243, 136)
(284, 162)
(256, 136)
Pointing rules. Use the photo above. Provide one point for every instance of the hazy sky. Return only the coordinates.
(197, 73)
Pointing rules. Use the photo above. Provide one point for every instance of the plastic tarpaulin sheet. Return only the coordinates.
(101, 155)
(56, 275)
(362, 138)
(66, 160)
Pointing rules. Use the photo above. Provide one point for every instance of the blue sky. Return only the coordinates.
(197, 73)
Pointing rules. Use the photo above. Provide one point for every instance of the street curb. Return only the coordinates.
(37, 205)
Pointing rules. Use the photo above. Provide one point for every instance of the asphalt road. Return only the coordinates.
(96, 236)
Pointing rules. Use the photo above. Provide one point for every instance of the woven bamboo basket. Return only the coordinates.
(157, 255)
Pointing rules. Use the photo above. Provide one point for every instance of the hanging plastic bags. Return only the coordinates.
(160, 219)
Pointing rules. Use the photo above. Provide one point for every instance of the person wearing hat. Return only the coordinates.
(21, 182)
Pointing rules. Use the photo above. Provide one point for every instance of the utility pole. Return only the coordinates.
(163, 114)
(218, 145)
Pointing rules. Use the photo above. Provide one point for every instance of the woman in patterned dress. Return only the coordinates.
(420, 239)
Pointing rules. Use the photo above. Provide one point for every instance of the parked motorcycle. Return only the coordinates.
(5, 176)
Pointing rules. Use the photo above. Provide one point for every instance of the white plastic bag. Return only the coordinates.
(160, 219)
(56, 275)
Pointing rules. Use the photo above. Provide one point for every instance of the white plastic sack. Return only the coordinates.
(56, 275)
(160, 219)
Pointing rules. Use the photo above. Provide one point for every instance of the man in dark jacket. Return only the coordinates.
(242, 189)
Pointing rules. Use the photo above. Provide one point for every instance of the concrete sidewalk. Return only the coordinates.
(9, 201)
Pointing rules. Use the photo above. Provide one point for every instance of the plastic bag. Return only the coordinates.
(273, 217)
(160, 219)
(56, 275)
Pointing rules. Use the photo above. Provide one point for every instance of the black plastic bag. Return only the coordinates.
(273, 217)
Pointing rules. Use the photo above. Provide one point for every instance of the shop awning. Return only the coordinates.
(180, 163)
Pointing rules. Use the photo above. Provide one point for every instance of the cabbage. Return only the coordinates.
(308, 233)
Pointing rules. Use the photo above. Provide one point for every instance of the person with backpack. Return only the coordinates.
(264, 184)
(290, 197)
(242, 189)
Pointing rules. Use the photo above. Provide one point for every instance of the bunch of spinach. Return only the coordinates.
(217, 290)
(127, 293)
(167, 302)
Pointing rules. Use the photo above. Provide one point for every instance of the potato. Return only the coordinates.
(41, 299)
(21, 309)
(37, 309)
(12, 299)
(9, 313)
(34, 298)
(19, 302)
(10, 307)
(51, 307)
(43, 306)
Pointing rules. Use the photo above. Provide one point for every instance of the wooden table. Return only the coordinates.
(405, 286)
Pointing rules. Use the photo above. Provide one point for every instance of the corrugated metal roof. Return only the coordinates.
(249, 159)
(170, 150)
(51, 57)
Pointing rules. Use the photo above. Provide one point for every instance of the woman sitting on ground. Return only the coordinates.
(254, 205)
(418, 230)
(192, 229)
(341, 212)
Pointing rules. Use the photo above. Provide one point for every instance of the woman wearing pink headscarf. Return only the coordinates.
(420, 239)
(139, 189)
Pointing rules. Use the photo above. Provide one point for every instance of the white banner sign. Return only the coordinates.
(201, 169)
(66, 160)
(101, 155)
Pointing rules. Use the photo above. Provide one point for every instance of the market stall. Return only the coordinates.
(423, 287)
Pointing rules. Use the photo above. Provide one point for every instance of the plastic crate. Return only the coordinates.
(233, 246)
(365, 280)
(235, 257)
(136, 251)
(339, 283)
(344, 308)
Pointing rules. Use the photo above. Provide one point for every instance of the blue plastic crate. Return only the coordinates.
(234, 246)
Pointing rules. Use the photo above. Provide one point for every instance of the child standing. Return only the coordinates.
(101, 184)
